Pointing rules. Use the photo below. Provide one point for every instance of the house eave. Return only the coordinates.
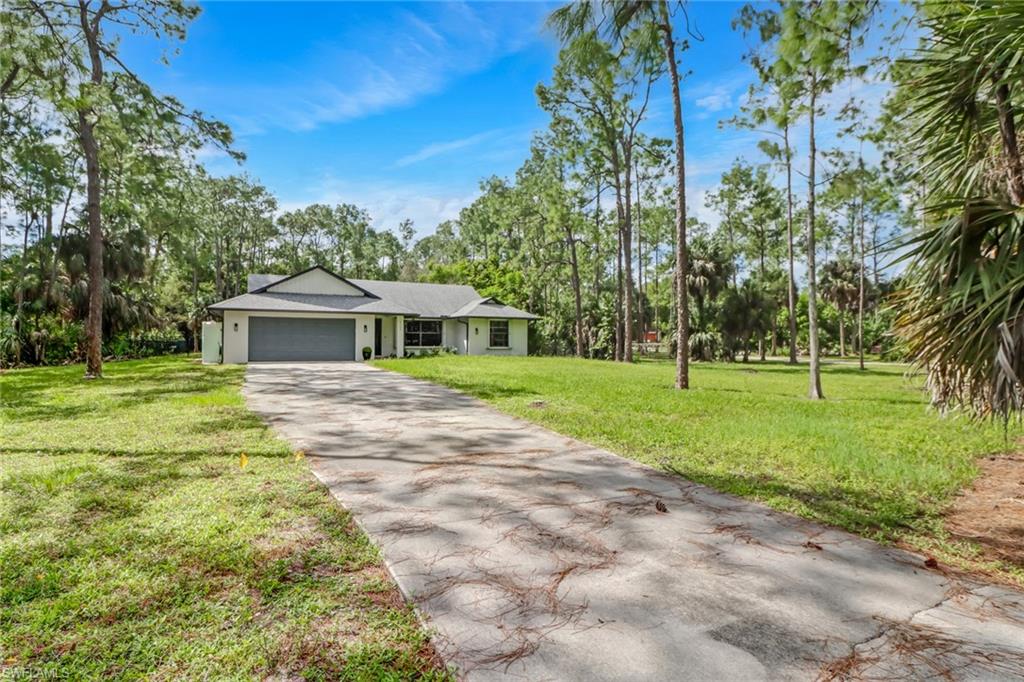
(223, 309)
(523, 316)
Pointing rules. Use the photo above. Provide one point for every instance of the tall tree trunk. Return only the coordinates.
(627, 257)
(94, 321)
(598, 265)
(577, 296)
(641, 327)
(91, 153)
(218, 267)
(732, 249)
(195, 268)
(154, 265)
(48, 240)
(760, 336)
(622, 322)
(657, 286)
(852, 232)
(52, 279)
(874, 252)
(1008, 133)
(19, 290)
(842, 334)
(618, 294)
(682, 303)
(860, 294)
(814, 391)
(791, 284)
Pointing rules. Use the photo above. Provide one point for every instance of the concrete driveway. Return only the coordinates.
(539, 557)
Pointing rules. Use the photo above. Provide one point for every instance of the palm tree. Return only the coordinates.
(707, 275)
(746, 312)
(961, 310)
(575, 19)
(840, 286)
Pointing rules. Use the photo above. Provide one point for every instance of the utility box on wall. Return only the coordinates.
(211, 343)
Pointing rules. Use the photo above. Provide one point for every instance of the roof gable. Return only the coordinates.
(315, 280)
(260, 280)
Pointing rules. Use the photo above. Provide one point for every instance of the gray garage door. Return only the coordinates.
(301, 338)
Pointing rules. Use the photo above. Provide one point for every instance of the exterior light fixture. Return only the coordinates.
(236, 326)
(365, 328)
(476, 331)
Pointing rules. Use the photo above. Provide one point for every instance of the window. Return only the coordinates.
(422, 333)
(499, 334)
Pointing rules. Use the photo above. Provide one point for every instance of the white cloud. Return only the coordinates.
(350, 78)
(438, 148)
(716, 101)
(210, 151)
(720, 94)
(696, 199)
(389, 203)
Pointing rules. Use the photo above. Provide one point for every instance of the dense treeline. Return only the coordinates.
(116, 238)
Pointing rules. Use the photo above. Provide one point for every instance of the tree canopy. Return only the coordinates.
(900, 235)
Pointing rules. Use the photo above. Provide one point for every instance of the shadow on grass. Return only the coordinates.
(777, 366)
(117, 485)
(62, 393)
(491, 391)
(854, 510)
(890, 371)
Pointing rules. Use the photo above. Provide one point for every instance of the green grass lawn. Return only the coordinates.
(133, 544)
(873, 458)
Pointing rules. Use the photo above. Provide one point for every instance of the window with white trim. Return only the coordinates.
(422, 333)
(499, 334)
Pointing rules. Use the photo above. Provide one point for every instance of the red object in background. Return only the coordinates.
(651, 336)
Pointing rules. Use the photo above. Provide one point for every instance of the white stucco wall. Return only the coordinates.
(236, 341)
(479, 337)
(315, 282)
(455, 336)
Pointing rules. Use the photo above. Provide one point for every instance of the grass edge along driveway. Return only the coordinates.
(873, 458)
(134, 543)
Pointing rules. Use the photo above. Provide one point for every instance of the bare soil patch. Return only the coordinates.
(990, 512)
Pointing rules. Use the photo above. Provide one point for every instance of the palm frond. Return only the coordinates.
(961, 311)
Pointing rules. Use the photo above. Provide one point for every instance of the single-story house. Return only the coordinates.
(319, 315)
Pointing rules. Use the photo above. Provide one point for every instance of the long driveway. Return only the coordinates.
(538, 557)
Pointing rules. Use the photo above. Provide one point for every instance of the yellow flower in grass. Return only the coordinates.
(299, 454)
(243, 460)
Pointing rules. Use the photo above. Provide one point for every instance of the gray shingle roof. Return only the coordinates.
(428, 300)
(487, 307)
(313, 303)
(422, 299)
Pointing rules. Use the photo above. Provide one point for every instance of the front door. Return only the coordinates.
(377, 322)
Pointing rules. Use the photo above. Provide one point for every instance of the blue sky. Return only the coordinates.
(402, 108)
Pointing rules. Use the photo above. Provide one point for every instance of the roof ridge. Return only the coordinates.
(403, 281)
